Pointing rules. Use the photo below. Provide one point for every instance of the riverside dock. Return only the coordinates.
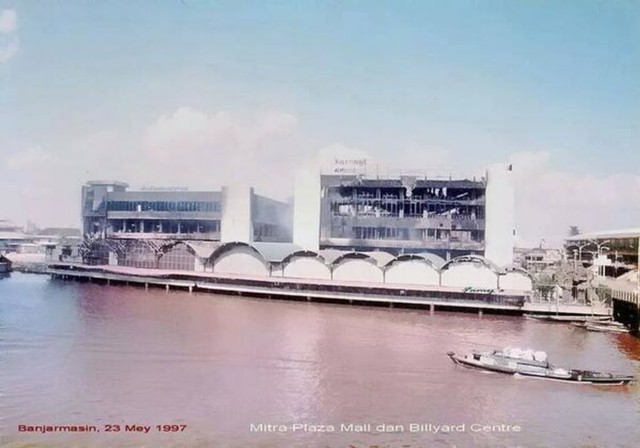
(349, 293)
(626, 303)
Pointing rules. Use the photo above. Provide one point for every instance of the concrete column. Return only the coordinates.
(306, 208)
(237, 222)
(499, 215)
(167, 286)
(480, 313)
(432, 309)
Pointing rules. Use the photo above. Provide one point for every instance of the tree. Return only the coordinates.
(544, 285)
(574, 230)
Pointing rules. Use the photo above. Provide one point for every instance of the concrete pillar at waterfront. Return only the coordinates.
(306, 208)
(499, 215)
(236, 214)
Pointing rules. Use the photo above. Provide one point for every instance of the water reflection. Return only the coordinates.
(91, 354)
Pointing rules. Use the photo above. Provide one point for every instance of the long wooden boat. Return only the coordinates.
(599, 323)
(535, 367)
(606, 328)
(565, 319)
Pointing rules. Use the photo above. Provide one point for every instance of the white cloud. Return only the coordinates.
(27, 158)
(549, 200)
(200, 149)
(8, 50)
(8, 21)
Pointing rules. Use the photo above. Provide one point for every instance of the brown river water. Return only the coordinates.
(227, 371)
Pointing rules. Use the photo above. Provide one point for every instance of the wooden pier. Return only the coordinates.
(350, 293)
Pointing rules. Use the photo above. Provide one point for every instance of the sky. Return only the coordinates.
(206, 93)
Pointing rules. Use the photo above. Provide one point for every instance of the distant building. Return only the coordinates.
(11, 236)
(537, 259)
(615, 251)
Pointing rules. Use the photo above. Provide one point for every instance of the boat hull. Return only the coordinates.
(549, 374)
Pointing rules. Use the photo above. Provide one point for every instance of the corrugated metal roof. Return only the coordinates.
(622, 233)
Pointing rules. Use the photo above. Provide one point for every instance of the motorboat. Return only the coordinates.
(533, 364)
(564, 319)
(606, 328)
(600, 323)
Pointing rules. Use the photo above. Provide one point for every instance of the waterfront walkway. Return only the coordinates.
(356, 293)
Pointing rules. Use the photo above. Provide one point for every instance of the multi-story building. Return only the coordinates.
(614, 251)
(404, 214)
(346, 206)
(111, 211)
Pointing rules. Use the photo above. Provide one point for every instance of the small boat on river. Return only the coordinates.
(534, 364)
(606, 328)
(601, 325)
(564, 319)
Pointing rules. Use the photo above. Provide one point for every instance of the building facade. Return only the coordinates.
(111, 211)
(346, 206)
(402, 215)
(614, 251)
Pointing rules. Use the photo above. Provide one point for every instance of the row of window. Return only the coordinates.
(163, 206)
(392, 233)
(407, 209)
(163, 226)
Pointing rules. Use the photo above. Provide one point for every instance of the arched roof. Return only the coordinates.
(330, 255)
(471, 259)
(514, 268)
(275, 252)
(354, 256)
(304, 254)
(382, 258)
(420, 257)
(437, 260)
(226, 247)
(203, 249)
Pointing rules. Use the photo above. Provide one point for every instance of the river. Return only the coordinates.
(224, 371)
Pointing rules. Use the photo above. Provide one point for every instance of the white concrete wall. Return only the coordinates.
(516, 281)
(307, 267)
(306, 208)
(241, 260)
(236, 222)
(475, 275)
(499, 216)
(113, 258)
(413, 272)
(358, 270)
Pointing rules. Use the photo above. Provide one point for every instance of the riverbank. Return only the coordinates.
(348, 293)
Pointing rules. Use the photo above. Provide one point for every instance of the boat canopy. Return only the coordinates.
(528, 354)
